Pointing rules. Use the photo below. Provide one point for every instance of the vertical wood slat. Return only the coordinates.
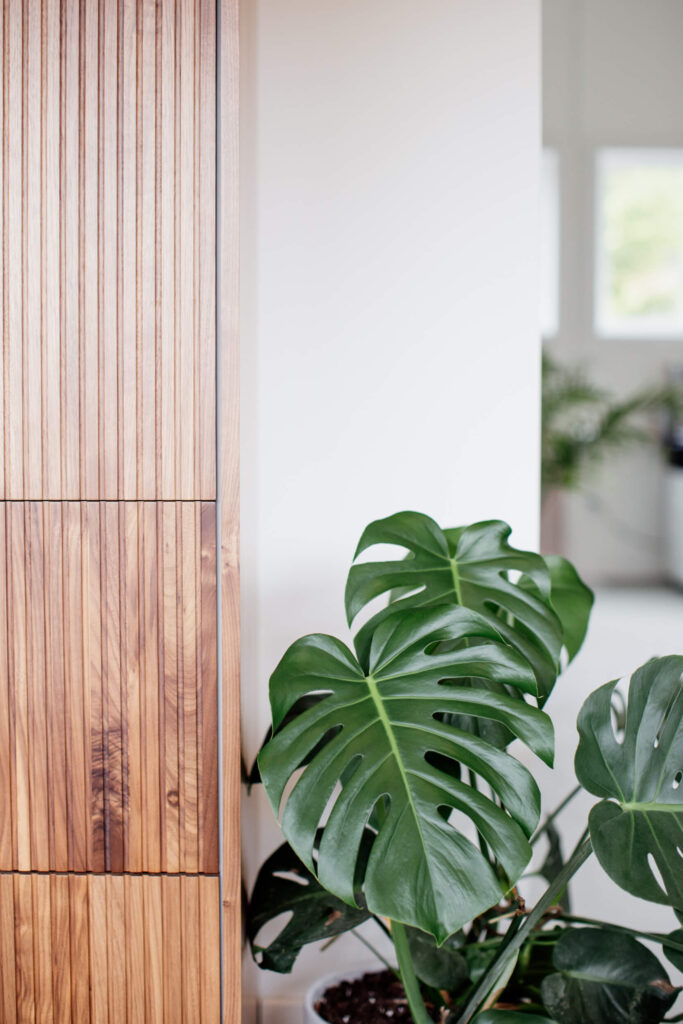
(115, 788)
(36, 674)
(127, 251)
(165, 247)
(69, 259)
(3, 91)
(100, 949)
(173, 952)
(146, 256)
(154, 944)
(77, 710)
(42, 948)
(31, 247)
(36, 679)
(6, 723)
(17, 687)
(98, 927)
(206, 129)
(207, 694)
(134, 952)
(79, 936)
(107, 374)
(117, 939)
(55, 680)
(190, 650)
(107, 326)
(132, 737)
(60, 940)
(168, 547)
(88, 266)
(210, 974)
(12, 264)
(184, 241)
(108, 694)
(51, 441)
(94, 582)
(150, 599)
(8, 977)
(24, 924)
(190, 950)
(228, 475)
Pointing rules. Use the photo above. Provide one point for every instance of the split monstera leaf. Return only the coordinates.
(637, 829)
(385, 736)
(385, 739)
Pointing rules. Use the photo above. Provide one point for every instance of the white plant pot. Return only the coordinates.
(318, 988)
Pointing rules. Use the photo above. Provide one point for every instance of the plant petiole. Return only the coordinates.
(554, 814)
(408, 976)
(375, 952)
(509, 950)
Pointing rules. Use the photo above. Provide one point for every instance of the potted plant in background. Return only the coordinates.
(583, 425)
(378, 757)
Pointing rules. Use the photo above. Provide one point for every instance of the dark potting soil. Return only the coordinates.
(372, 999)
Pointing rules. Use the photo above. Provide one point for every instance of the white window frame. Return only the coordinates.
(628, 329)
(549, 263)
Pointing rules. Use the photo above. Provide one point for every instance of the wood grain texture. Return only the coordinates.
(107, 190)
(108, 704)
(105, 949)
(110, 378)
(228, 341)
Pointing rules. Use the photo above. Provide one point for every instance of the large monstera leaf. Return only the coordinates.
(641, 815)
(382, 749)
(468, 566)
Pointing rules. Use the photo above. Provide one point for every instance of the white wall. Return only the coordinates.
(389, 333)
(612, 76)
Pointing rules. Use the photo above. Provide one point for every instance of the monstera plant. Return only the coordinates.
(388, 767)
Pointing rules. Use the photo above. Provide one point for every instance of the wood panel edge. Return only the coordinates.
(228, 490)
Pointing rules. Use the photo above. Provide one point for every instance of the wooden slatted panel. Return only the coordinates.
(102, 949)
(109, 757)
(107, 195)
(107, 677)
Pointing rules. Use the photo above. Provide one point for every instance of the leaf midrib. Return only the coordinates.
(388, 728)
(455, 573)
(650, 808)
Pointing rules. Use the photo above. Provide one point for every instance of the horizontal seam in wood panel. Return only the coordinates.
(116, 874)
(107, 501)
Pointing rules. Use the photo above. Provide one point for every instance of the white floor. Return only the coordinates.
(628, 627)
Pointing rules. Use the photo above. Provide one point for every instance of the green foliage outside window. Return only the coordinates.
(643, 241)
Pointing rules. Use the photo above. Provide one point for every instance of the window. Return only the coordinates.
(639, 258)
(550, 244)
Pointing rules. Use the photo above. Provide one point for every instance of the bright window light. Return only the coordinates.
(550, 244)
(639, 238)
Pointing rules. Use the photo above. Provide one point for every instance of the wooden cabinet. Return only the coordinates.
(116, 557)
